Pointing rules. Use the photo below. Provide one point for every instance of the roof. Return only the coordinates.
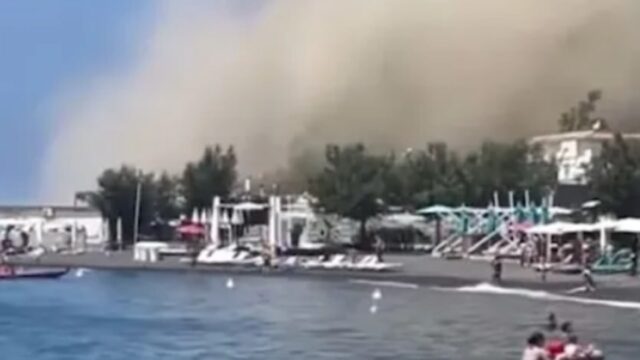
(39, 210)
(582, 135)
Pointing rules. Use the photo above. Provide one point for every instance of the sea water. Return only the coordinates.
(137, 315)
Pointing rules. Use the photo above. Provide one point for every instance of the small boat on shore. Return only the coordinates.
(10, 272)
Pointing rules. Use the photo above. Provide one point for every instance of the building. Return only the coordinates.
(573, 153)
(57, 226)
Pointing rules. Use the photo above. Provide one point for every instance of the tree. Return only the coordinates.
(115, 198)
(614, 178)
(166, 197)
(429, 176)
(507, 167)
(352, 184)
(213, 175)
(581, 117)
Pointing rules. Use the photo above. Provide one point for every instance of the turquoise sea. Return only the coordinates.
(93, 315)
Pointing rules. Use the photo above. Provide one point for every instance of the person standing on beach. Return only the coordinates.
(589, 282)
(379, 248)
(496, 264)
(634, 257)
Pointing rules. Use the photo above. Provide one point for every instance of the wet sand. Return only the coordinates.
(420, 270)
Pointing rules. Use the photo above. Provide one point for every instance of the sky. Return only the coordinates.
(44, 47)
(89, 85)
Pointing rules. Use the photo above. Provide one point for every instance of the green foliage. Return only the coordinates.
(507, 167)
(438, 176)
(161, 197)
(615, 178)
(213, 175)
(434, 175)
(352, 183)
(581, 117)
(116, 198)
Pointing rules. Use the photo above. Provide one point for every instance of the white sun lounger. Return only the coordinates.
(336, 262)
(371, 263)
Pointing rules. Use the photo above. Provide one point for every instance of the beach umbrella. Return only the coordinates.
(534, 214)
(464, 221)
(435, 210)
(203, 217)
(236, 218)
(195, 218)
(520, 214)
(492, 221)
(224, 219)
(545, 215)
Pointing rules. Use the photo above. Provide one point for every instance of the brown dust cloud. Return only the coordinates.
(287, 76)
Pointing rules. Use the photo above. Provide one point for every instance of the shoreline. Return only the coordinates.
(422, 271)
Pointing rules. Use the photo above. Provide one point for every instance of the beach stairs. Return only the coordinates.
(619, 262)
(485, 243)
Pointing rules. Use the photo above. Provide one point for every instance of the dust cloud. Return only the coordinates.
(283, 77)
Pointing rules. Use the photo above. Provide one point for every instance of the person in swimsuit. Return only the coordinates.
(535, 348)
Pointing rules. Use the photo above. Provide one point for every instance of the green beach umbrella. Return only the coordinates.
(545, 215)
(534, 214)
(492, 221)
(520, 213)
(464, 221)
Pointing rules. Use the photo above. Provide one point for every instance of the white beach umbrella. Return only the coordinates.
(235, 218)
(203, 217)
(195, 218)
(224, 220)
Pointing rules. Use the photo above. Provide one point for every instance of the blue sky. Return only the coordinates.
(44, 47)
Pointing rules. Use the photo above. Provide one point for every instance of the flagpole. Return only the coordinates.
(137, 214)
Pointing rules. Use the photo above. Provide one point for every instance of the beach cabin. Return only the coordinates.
(54, 227)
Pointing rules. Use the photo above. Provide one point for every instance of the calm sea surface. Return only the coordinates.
(128, 315)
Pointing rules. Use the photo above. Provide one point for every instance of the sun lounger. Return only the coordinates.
(371, 263)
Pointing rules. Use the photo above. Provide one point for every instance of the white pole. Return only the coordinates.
(548, 255)
(527, 199)
(119, 233)
(74, 230)
(496, 199)
(272, 226)
(603, 238)
(215, 221)
(136, 221)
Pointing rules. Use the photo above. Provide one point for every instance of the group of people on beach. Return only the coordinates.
(559, 343)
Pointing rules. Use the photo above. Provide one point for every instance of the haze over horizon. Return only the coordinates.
(277, 77)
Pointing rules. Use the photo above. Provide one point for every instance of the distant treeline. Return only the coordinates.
(356, 183)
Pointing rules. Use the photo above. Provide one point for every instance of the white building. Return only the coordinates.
(573, 152)
(55, 226)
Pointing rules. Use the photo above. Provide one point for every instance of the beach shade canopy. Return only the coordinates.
(404, 218)
(435, 210)
(560, 228)
(249, 206)
(191, 229)
(629, 225)
(556, 210)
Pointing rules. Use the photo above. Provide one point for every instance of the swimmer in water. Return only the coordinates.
(535, 348)
(552, 322)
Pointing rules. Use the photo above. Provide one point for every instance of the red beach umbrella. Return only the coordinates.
(191, 229)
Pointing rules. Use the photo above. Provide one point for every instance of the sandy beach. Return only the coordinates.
(421, 270)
